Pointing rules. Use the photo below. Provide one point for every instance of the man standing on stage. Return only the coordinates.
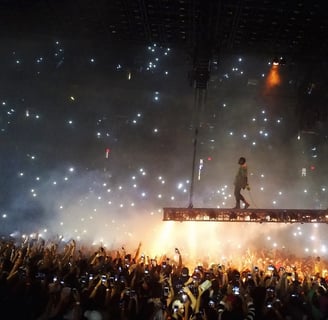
(241, 182)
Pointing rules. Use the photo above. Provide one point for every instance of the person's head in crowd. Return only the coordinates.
(93, 315)
(234, 308)
(185, 272)
(258, 294)
(5, 265)
(321, 291)
(166, 268)
(177, 309)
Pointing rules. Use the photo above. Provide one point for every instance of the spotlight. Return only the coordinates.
(275, 61)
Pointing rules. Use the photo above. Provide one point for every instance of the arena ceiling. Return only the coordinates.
(297, 28)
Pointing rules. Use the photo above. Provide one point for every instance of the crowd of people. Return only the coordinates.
(58, 280)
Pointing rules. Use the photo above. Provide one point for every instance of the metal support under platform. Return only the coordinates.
(246, 215)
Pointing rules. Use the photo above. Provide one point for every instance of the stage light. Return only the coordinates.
(278, 61)
(275, 61)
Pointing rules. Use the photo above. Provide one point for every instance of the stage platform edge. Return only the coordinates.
(246, 215)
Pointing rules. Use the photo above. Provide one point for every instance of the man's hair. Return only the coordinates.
(241, 160)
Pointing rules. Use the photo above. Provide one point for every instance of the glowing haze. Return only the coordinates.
(95, 142)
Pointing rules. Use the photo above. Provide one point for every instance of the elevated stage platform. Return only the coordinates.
(246, 215)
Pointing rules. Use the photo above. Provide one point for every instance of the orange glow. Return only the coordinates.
(273, 78)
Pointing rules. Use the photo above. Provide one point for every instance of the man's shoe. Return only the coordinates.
(236, 207)
(246, 205)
